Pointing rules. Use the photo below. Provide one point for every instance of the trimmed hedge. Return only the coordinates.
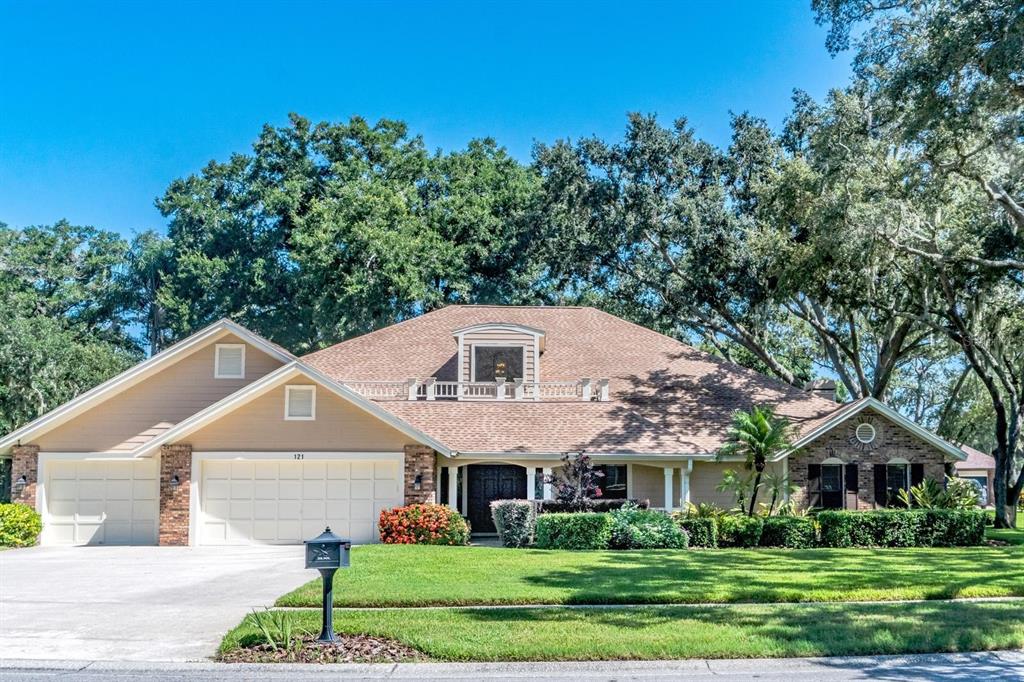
(515, 521)
(794, 532)
(635, 528)
(20, 525)
(740, 531)
(423, 524)
(702, 532)
(579, 530)
(556, 507)
(902, 528)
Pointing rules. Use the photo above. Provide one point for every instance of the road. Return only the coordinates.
(989, 666)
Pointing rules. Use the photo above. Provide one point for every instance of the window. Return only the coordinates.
(229, 361)
(491, 363)
(832, 486)
(300, 402)
(613, 485)
(897, 477)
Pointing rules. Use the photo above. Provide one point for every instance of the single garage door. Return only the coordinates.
(286, 502)
(101, 503)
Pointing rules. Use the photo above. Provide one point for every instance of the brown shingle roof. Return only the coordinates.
(976, 459)
(666, 397)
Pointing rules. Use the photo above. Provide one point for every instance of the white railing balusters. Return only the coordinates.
(517, 389)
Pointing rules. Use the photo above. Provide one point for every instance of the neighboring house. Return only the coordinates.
(226, 438)
(981, 469)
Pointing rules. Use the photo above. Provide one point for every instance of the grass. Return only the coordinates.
(1008, 535)
(417, 575)
(660, 632)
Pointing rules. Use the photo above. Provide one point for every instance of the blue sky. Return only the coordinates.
(102, 105)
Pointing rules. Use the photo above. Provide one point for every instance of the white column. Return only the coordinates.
(431, 387)
(667, 471)
(547, 486)
(453, 487)
(629, 482)
(686, 482)
(677, 502)
(585, 383)
(531, 483)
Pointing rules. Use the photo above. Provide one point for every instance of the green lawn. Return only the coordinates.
(1014, 537)
(658, 632)
(413, 575)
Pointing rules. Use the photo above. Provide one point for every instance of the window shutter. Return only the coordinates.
(814, 485)
(916, 474)
(852, 485)
(881, 493)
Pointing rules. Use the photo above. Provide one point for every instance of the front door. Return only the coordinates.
(489, 482)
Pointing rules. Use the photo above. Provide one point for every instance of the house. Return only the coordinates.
(226, 438)
(980, 468)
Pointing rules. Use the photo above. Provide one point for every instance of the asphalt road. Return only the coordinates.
(989, 666)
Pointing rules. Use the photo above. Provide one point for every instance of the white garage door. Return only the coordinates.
(286, 502)
(101, 503)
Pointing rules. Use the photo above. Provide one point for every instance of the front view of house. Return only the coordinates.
(226, 438)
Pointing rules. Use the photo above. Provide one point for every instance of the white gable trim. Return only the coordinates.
(844, 413)
(137, 374)
(270, 382)
(500, 326)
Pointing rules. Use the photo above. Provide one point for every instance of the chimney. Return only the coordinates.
(823, 388)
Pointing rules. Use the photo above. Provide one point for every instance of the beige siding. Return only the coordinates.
(649, 484)
(495, 338)
(260, 425)
(706, 476)
(149, 408)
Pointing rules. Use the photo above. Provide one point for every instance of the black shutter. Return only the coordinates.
(852, 486)
(881, 494)
(916, 474)
(814, 485)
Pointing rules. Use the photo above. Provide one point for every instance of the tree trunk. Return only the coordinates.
(753, 494)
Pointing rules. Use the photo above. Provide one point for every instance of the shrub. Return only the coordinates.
(579, 530)
(795, 532)
(635, 528)
(556, 507)
(902, 528)
(423, 524)
(516, 522)
(20, 525)
(701, 531)
(740, 531)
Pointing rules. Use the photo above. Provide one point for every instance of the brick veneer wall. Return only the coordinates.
(25, 462)
(890, 441)
(419, 459)
(174, 500)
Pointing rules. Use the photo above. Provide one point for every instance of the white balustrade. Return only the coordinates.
(517, 389)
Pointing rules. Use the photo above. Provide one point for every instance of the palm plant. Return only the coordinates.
(756, 436)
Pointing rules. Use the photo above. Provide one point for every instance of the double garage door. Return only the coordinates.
(101, 502)
(259, 501)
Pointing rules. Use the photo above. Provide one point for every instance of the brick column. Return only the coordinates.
(175, 460)
(419, 461)
(25, 462)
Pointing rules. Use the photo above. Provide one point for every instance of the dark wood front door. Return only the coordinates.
(488, 482)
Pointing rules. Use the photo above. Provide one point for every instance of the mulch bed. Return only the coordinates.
(349, 649)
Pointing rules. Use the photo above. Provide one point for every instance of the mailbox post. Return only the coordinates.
(327, 553)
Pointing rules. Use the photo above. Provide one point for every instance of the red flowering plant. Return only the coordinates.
(423, 524)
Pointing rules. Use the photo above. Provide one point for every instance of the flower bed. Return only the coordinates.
(423, 524)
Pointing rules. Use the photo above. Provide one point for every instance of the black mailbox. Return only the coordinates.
(327, 553)
(327, 550)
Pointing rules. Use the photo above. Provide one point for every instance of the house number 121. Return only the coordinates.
(298, 455)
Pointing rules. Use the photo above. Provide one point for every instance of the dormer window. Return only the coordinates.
(300, 403)
(491, 363)
(229, 361)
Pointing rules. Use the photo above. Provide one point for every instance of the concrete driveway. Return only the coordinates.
(135, 603)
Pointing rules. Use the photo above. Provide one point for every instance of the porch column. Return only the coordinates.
(453, 487)
(667, 471)
(547, 486)
(531, 483)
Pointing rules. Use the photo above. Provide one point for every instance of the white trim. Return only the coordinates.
(462, 362)
(270, 381)
(536, 362)
(870, 430)
(655, 457)
(898, 460)
(288, 416)
(135, 374)
(852, 409)
(107, 456)
(216, 361)
(833, 461)
(498, 326)
(493, 344)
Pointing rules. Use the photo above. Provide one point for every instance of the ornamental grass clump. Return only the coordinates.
(423, 524)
